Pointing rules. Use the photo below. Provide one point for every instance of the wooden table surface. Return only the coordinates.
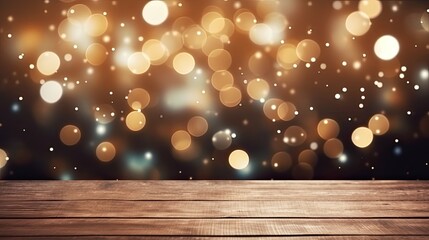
(214, 209)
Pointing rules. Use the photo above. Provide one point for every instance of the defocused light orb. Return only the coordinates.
(328, 128)
(96, 25)
(48, 63)
(155, 12)
(70, 135)
(230, 96)
(379, 124)
(197, 126)
(138, 98)
(245, 20)
(287, 56)
(261, 34)
(286, 111)
(194, 37)
(138, 63)
(183, 63)
(173, 41)
(307, 49)
(181, 140)
(222, 79)
(271, 107)
(362, 137)
(333, 148)
(424, 21)
(135, 121)
(212, 44)
(258, 89)
(308, 156)
(105, 151)
(386, 47)
(302, 171)
(281, 161)
(221, 140)
(372, 8)
(219, 59)
(238, 159)
(294, 136)
(79, 13)
(51, 91)
(3, 158)
(358, 23)
(96, 54)
(156, 51)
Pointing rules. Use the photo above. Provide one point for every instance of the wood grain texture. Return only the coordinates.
(214, 210)
(215, 190)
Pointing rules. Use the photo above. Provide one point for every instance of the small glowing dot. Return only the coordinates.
(362, 89)
(416, 87)
(327, 44)
(9, 35)
(344, 89)
(31, 66)
(360, 105)
(401, 75)
(344, 63)
(21, 98)
(408, 113)
(337, 96)
(403, 68)
(51, 149)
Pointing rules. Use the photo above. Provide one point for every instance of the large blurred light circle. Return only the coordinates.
(372, 8)
(70, 135)
(3, 158)
(358, 23)
(238, 159)
(155, 12)
(181, 140)
(307, 50)
(261, 34)
(362, 137)
(379, 124)
(386, 47)
(48, 63)
(51, 91)
(183, 63)
(221, 140)
(135, 121)
(138, 63)
(105, 151)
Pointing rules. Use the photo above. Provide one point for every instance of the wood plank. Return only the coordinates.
(212, 227)
(360, 237)
(215, 190)
(213, 209)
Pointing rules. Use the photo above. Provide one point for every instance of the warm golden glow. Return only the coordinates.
(219, 59)
(307, 49)
(48, 63)
(181, 140)
(372, 8)
(138, 63)
(230, 96)
(362, 137)
(96, 25)
(197, 126)
(379, 124)
(358, 23)
(222, 79)
(135, 121)
(328, 128)
(281, 161)
(105, 152)
(70, 135)
(155, 12)
(183, 63)
(3, 158)
(138, 98)
(333, 148)
(96, 54)
(238, 159)
(258, 89)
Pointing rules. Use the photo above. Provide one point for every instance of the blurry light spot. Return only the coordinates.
(238, 159)
(51, 91)
(155, 12)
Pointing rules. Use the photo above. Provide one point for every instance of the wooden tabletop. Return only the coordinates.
(214, 209)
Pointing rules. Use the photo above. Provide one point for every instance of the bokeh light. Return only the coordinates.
(105, 151)
(386, 47)
(3, 158)
(372, 8)
(138, 63)
(48, 63)
(181, 140)
(281, 162)
(183, 63)
(328, 128)
(379, 124)
(197, 126)
(222, 140)
(138, 98)
(155, 12)
(358, 23)
(238, 159)
(362, 137)
(70, 135)
(51, 91)
(135, 121)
